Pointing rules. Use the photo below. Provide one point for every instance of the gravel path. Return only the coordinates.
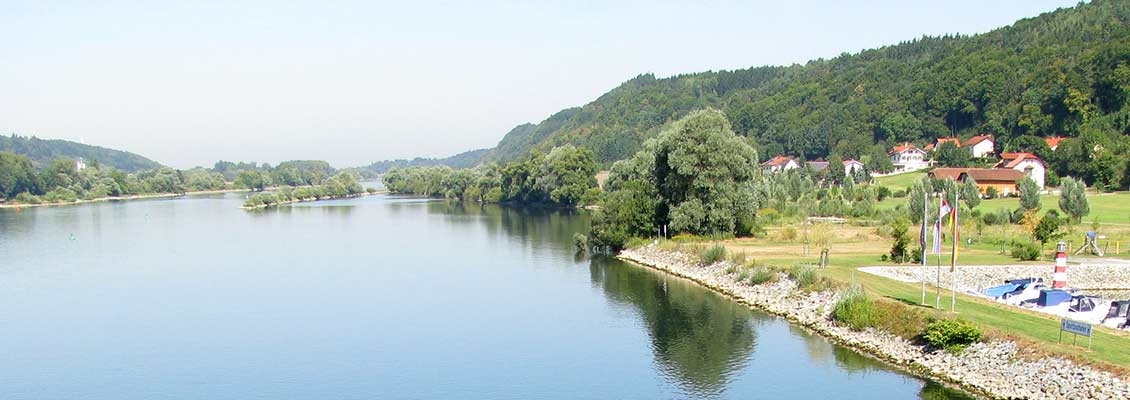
(1090, 274)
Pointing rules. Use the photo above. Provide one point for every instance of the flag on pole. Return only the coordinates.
(942, 211)
(956, 236)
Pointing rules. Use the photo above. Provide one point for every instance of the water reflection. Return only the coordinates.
(698, 340)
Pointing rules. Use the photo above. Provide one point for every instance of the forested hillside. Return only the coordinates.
(465, 159)
(43, 151)
(1063, 73)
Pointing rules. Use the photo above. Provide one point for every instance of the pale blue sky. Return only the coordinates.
(190, 82)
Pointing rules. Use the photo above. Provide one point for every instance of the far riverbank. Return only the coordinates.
(122, 198)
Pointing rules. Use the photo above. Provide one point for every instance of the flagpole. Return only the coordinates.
(925, 215)
(953, 254)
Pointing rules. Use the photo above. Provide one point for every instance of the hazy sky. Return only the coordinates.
(190, 82)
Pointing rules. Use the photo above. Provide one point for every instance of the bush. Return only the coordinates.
(760, 275)
(905, 321)
(581, 242)
(805, 277)
(856, 310)
(882, 192)
(787, 234)
(26, 198)
(714, 254)
(951, 334)
(898, 194)
(1025, 251)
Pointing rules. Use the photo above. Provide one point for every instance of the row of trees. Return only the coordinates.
(564, 176)
(63, 181)
(343, 184)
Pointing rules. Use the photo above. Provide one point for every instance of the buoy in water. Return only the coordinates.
(73, 237)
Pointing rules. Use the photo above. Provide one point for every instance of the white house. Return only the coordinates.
(780, 163)
(980, 145)
(852, 166)
(80, 164)
(908, 157)
(1027, 163)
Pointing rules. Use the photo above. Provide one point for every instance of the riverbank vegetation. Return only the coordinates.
(343, 184)
(68, 180)
(564, 176)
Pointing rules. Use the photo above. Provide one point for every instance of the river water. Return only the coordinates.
(378, 297)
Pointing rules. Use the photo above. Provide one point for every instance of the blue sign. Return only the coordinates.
(1075, 327)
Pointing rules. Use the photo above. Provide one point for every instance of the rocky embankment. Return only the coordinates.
(1108, 275)
(991, 369)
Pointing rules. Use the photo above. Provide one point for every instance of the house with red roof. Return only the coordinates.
(1027, 163)
(908, 157)
(1053, 142)
(780, 163)
(980, 145)
(938, 143)
(1002, 180)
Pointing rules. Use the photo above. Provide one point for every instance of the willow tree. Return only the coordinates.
(702, 172)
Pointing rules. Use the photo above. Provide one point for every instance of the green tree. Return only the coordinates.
(1029, 193)
(703, 173)
(1048, 228)
(836, 173)
(970, 193)
(949, 155)
(1073, 199)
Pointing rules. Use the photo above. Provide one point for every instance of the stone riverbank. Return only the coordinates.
(991, 369)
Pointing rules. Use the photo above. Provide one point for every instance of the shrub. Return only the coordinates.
(882, 192)
(760, 275)
(738, 258)
(804, 276)
(1025, 251)
(787, 234)
(26, 198)
(898, 194)
(856, 310)
(714, 254)
(581, 242)
(951, 334)
(905, 321)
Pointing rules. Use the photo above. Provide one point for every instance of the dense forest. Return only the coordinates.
(1063, 73)
(42, 152)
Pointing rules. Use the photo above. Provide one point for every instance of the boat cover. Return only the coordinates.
(997, 291)
(1051, 297)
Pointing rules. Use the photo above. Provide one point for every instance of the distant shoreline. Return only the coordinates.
(307, 200)
(122, 198)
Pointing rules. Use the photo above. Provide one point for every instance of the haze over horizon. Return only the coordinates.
(189, 84)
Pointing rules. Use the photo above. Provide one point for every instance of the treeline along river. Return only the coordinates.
(378, 297)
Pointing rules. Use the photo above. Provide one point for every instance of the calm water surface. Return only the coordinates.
(378, 297)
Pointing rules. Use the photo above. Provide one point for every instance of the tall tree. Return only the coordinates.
(1073, 199)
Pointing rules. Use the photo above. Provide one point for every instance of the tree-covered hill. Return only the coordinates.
(43, 151)
(465, 159)
(1063, 73)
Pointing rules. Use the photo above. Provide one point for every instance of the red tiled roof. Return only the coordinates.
(981, 175)
(1011, 160)
(1053, 142)
(978, 139)
(851, 161)
(777, 161)
(903, 147)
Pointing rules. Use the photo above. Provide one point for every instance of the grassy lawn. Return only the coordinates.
(852, 247)
(900, 181)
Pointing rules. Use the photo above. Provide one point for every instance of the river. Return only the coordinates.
(379, 297)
